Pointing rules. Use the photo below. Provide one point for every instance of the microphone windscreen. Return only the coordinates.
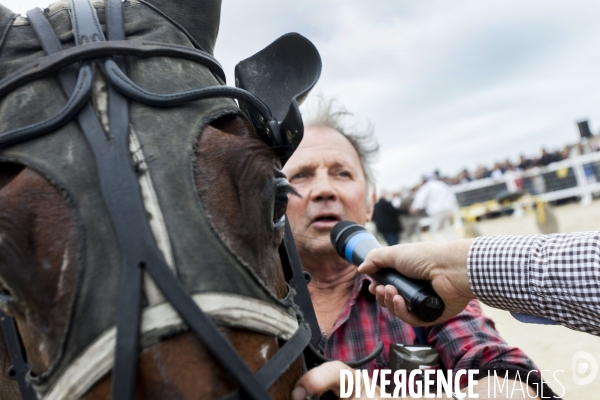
(340, 234)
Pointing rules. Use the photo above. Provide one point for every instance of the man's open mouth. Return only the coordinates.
(327, 218)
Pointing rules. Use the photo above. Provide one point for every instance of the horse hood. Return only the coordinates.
(162, 142)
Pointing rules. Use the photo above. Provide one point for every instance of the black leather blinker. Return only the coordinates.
(281, 75)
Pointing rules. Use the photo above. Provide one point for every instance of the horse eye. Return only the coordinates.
(6, 299)
(280, 207)
(282, 190)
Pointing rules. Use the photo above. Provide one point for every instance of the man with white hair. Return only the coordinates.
(332, 175)
(439, 202)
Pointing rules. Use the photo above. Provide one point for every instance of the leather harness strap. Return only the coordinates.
(44, 66)
(18, 370)
(131, 89)
(81, 91)
(268, 374)
(78, 97)
(297, 279)
(115, 26)
(86, 27)
(112, 160)
(129, 308)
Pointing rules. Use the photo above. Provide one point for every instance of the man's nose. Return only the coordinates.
(323, 189)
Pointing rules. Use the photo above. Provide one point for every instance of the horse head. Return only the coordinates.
(129, 215)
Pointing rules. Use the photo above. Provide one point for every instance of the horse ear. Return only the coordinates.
(282, 75)
(198, 18)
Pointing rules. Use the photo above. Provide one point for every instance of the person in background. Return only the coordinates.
(525, 163)
(482, 172)
(546, 159)
(438, 200)
(565, 153)
(410, 222)
(464, 177)
(387, 219)
(498, 171)
(509, 166)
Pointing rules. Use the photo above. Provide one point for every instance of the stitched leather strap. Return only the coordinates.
(44, 66)
(131, 89)
(296, 279)
(109, 155)
(268, 374)
(86, 27)
(115, 28)
(80, 94)
(43, 31)
(130, 286)
(19, 367)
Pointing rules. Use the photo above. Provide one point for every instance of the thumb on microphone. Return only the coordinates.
(404, 258)
(443, 264)
(400, 258)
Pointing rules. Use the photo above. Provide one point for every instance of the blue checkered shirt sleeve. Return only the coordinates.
(552, 276)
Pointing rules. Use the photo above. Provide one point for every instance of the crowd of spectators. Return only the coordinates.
(402, 200)
(544, 159)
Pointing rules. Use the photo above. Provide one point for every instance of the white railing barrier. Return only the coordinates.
(577, 176)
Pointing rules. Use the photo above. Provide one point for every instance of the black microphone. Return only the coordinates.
(353, 242)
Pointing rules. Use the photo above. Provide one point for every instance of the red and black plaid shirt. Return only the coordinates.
(467, 341)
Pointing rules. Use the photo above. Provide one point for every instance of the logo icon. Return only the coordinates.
(585, 368)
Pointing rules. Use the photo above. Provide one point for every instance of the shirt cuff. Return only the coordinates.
(498, 270)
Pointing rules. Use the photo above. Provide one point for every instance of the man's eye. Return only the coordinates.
(345, 174)
(299, 175)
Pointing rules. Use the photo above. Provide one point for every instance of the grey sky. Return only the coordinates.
(447, 84)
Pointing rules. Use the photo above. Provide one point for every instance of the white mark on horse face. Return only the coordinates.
(63, 268)
(264, 350)
(42, 347)
(44, 351)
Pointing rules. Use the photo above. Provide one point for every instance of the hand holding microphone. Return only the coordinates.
(442, 264)
(353, 242)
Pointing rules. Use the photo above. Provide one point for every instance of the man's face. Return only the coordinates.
(327, 173)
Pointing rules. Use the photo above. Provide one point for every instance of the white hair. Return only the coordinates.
(331, 113)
